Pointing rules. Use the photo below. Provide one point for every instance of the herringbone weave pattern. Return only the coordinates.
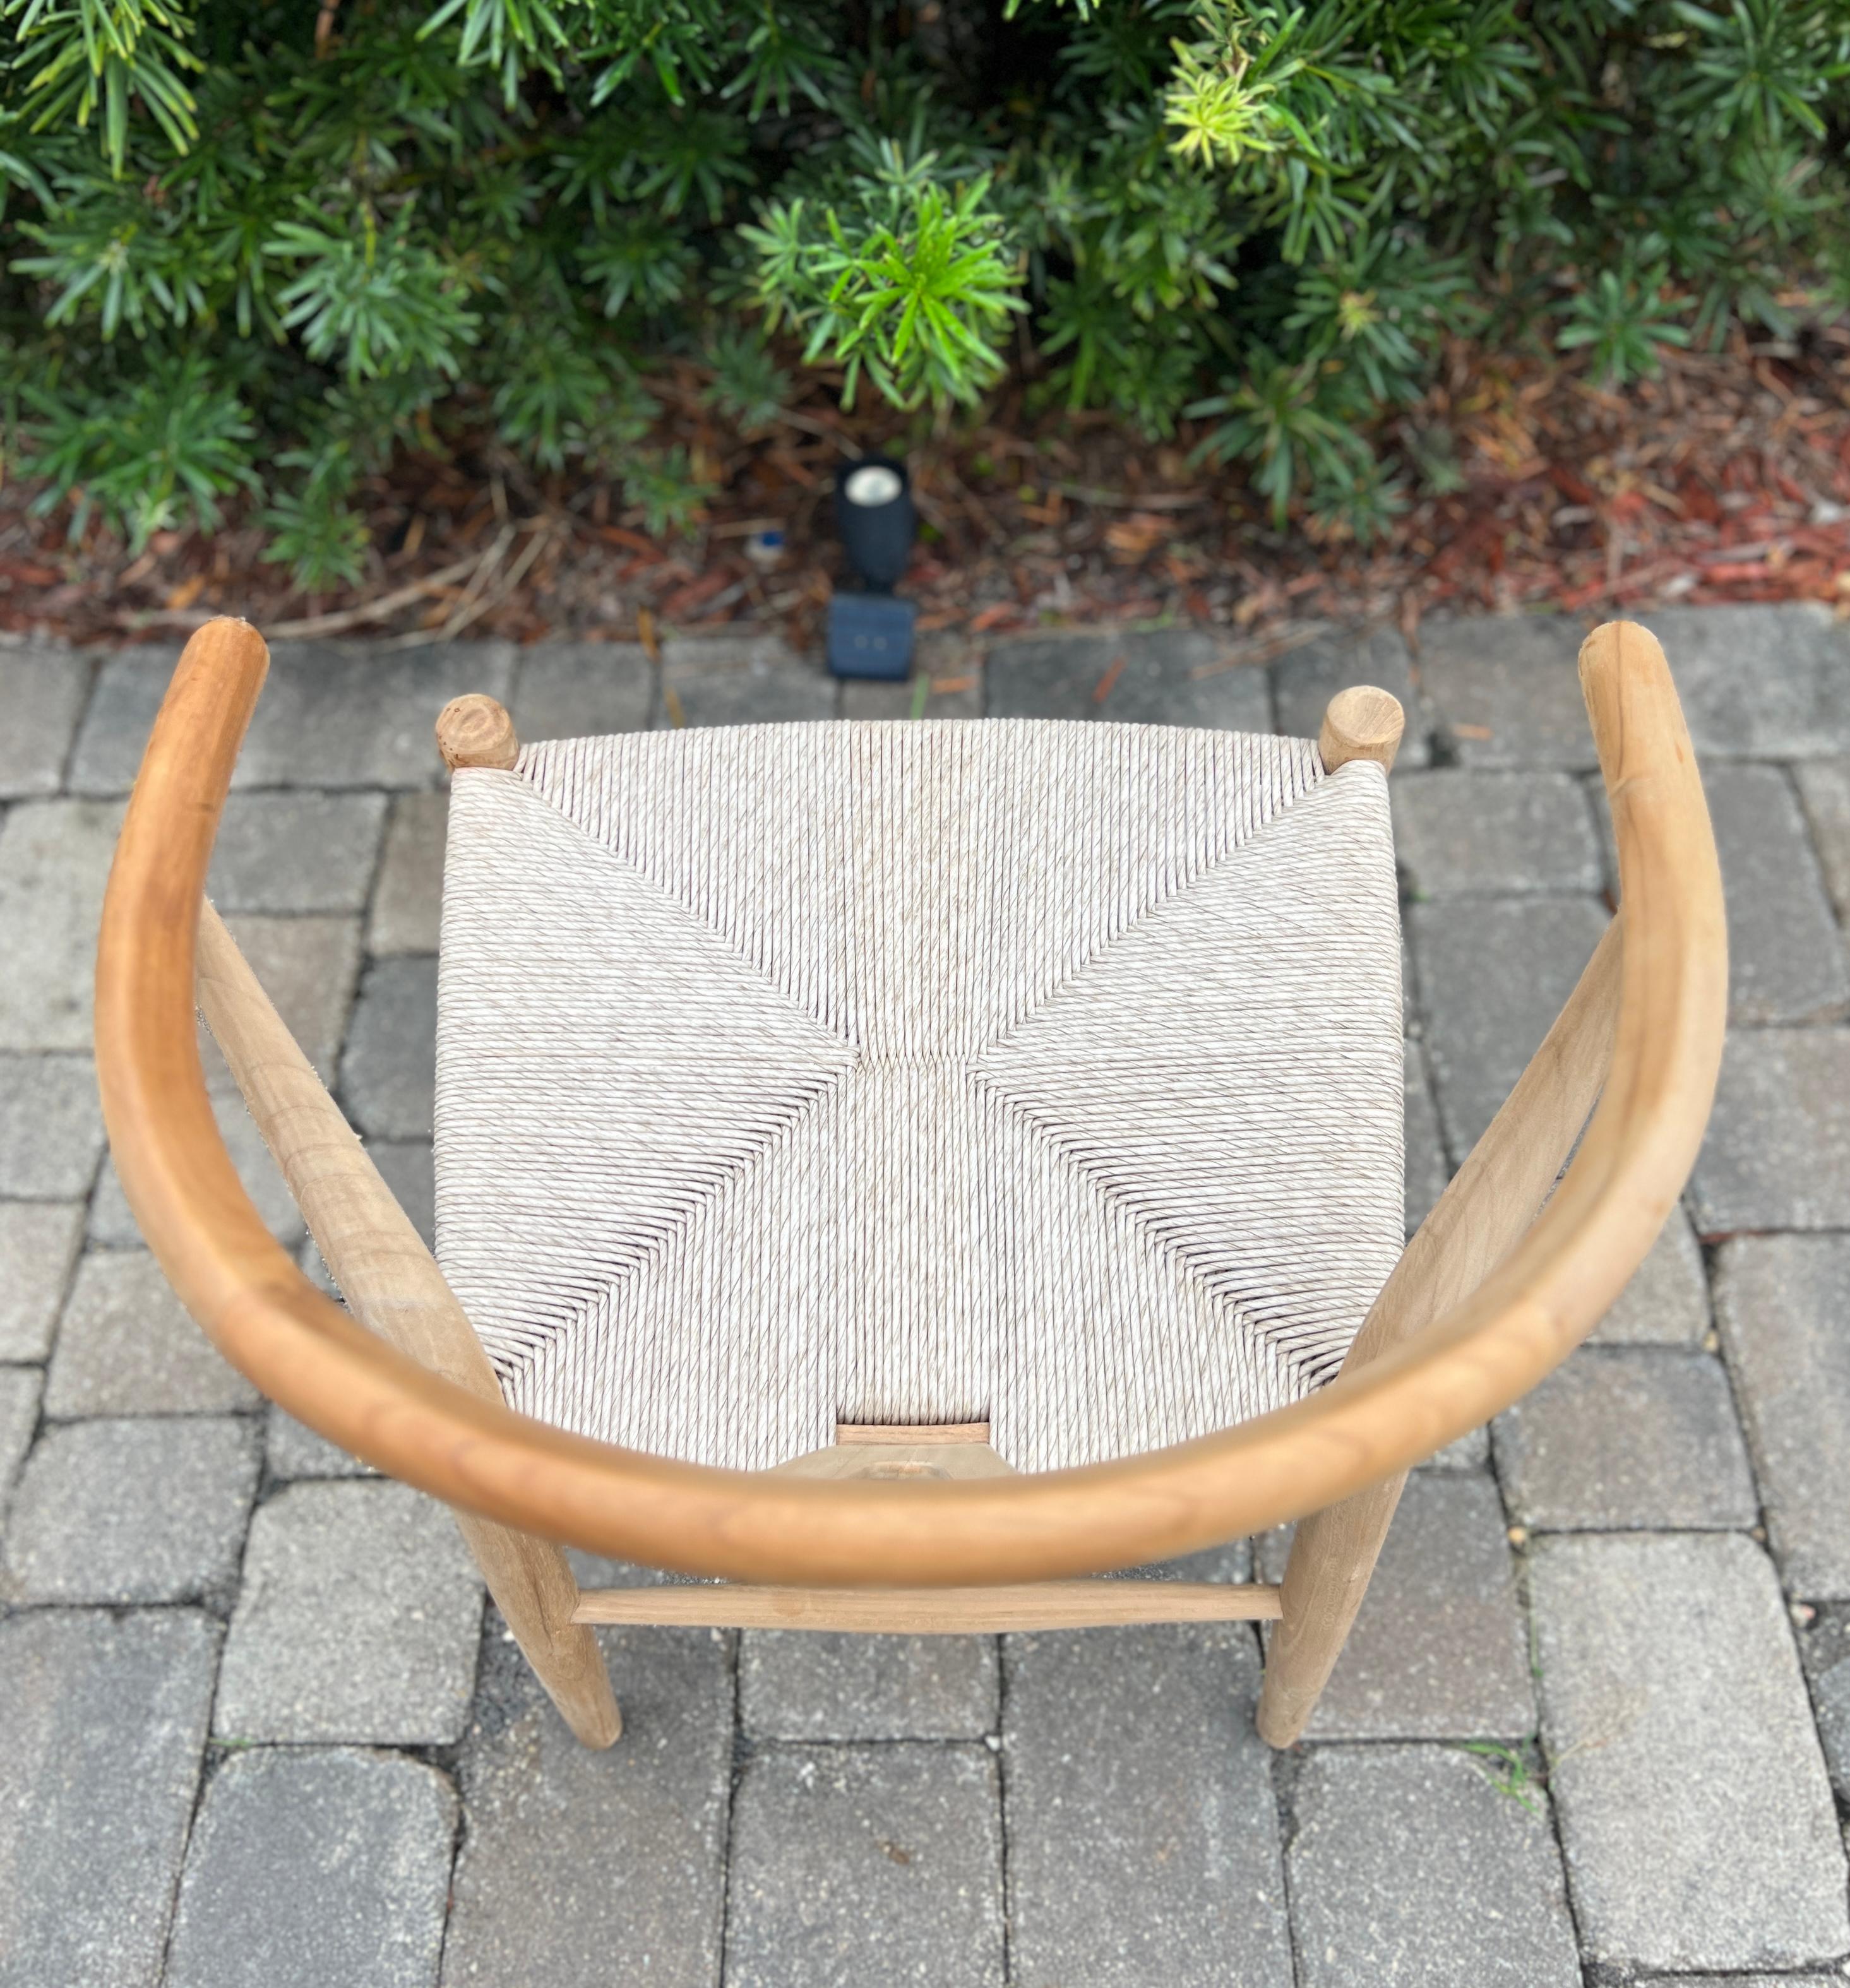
(1045, 1073)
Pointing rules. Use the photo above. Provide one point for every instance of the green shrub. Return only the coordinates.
(243, 237)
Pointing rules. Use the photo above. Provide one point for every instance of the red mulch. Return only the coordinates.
(1727, 478)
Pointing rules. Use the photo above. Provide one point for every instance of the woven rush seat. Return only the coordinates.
(1040, 1073)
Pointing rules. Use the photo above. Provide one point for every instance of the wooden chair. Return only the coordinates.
(886, 1527)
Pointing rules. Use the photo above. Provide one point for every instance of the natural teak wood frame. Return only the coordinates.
(920, 1529)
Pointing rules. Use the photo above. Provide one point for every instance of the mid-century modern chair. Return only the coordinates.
(893, 1171)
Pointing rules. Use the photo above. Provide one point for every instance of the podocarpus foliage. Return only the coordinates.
(244, 237)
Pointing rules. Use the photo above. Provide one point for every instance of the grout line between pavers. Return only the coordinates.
(40, 1419)
(803, 1742)
(1762, 1532)
(734, 1776)
(375, 874)
(1519, 1575)
(67, 766)
(447, 1760)
(1819, 877)
(200, 1781)
(1275, 716)
(1000, 1755)
(1840, 914)
(458, 1836)
(1283, 1767)
(1532, 1640)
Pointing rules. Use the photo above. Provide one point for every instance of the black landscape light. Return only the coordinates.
(870, 630)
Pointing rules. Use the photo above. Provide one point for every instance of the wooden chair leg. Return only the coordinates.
(534, 1589)
(1480, 1217)
(1333, 1555)
(393, 1286)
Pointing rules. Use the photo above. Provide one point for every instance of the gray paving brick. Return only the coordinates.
(862, 701)
(1059, 676)
(1494, 974)
(1482, 1903)
(309, 1262)
(952, 666)
(388, 1074)
(121, 714)
(1427, 1170)
(1233, 1561)
(295, 852)
(1781, 1302)
(578, 690)
(1507, 689)
(19, 1390)
(128, 1511)
(332, 714)
(54, 861)
(595, 1570)
(1777, 1152)
(1437, 1651)
(1824, 786)
(957, 666)
(799, 1686)
(407, 1167)
(1786, 958)
(38, 1241)
(358, 1621)
(307, 966)
(112, 1222)
(857, 1864)
(316, 1870)
(1625, 1436)
(1759, 682)
(1469, 1451)
(408, 900)
(106, 1722)
(1143, 1835)
(581, 1866)
(959, 695)
(741, 680)
(50, 1126)
(42, 689)
(1458, 832)
(1666, 1303)
(1595, 792)
(1694, 1809)
(1304, 680)
(126, 1347)
(293, 1450)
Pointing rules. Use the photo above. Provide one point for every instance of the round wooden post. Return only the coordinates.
(1361, 723)
(475, 731)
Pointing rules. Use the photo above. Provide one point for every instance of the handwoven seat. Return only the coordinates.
(1039, 1073)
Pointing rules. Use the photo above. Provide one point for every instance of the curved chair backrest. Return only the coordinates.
(1487, 1299)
